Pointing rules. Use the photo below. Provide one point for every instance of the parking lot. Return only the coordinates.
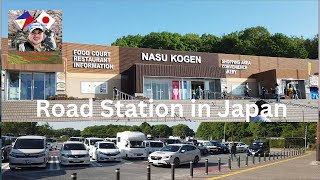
(129, 169)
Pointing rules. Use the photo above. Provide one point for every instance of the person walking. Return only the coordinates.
(263, 92)
(233, 150)
(246, 90)
(277, 93)
(295, 93)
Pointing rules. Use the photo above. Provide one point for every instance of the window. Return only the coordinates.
(118, 139)
(191, 148)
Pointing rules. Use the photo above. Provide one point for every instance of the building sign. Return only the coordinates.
(94, 87)
(171, 58)
(233, 65)
(61, 81)
(92, 59)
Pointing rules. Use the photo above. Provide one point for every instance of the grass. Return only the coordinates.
(15, 58)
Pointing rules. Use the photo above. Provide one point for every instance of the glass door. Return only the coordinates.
(38, 86)
(26, 86)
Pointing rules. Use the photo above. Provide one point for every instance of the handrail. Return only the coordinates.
(119, 95)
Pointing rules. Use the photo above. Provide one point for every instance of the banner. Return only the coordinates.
(175, 90)
(35, 37)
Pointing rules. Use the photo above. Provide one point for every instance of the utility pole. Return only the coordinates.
(305, 138)
(224, 132)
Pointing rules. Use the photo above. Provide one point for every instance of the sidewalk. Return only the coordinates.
(300, 167)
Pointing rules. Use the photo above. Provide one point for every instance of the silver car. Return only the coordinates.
(176, 154)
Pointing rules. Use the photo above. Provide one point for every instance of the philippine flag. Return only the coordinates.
(45, 19)
(24, 20)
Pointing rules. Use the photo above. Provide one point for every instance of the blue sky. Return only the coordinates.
(103, 21)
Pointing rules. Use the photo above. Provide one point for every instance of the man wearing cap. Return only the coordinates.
(35, 38)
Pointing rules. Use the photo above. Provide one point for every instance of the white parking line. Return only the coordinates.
(54, 160)
(4, 167)
(95, 164)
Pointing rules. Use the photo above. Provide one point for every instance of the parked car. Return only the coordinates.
(241, 147)
(170, 141)
(258, 148)
(52, 143)
(114, 140)
(5, 147)
(90, 142)
(210, 145)
(80, 139)
(131, 144)
(222, 148)
(106, 151)
(29, 151)
(152, 146)
(177, 154)
(74, 152)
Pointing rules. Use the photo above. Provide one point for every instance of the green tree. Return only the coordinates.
(182, 130)
(135, 128)
(128, 41)
(204, 130)
(162, 131)
(19, 128)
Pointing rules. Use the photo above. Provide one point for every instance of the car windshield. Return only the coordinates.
(29, 144)
(75, 139)
(156, 144)
(74, 147)
(214, 143)
(171, 148)
(107, 146)
(93, 141)
(136, 144)
(172, 141)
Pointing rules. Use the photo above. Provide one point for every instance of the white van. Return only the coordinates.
(29, 151)
(153, 146)
(131, 144)
(90, 142)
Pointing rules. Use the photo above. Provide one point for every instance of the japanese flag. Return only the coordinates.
(45, 19)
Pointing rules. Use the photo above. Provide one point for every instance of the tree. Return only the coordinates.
(128, 41)
(135, 128)
(162, 131)
(182, 130)
(146, 128)
(45, 130)
(204, 130)
(19, 128)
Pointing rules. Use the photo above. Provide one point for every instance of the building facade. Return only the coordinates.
(92, 71)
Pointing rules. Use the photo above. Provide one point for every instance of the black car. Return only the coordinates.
(222, 148)
(6, 146)
(258, 148)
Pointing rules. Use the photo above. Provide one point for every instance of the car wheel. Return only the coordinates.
(176, 162)
(196, 161)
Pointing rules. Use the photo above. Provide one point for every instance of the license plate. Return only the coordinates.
(76, 160)
(253, 153)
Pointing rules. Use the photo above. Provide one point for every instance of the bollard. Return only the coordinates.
(239, 161)
(253, 159)
(172, 171)
(247, 158)
(74, 176)
(229, 163)
(118, 174)
(149, 172)
(264, 157)
(219, 164)
(259, 158)
(281, 155)
(191, 169)
(287, 154)
(274, 154)
(269, 156)
(206, 164)
(277, 155)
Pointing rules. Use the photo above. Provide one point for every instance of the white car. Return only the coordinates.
(175, 154)
(106, 151)
(29, 151)
(152, 146)
(90, 142)
(212, 146)
(114, 140)
(241, 147)
(74, 152)
(52, 143)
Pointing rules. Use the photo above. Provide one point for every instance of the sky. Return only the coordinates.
(103, 21)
